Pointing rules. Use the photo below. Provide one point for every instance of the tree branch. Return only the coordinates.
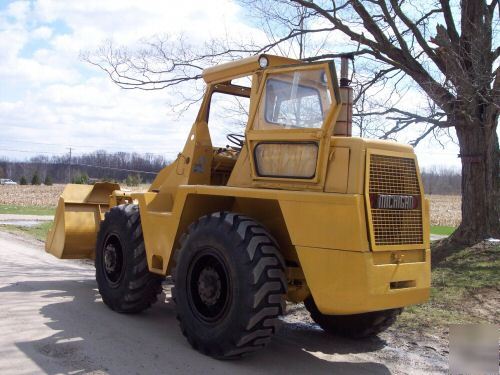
(450, 23)
(411, 118)
(417, 140)
(418, 35)
(384, 50)
(329, 56)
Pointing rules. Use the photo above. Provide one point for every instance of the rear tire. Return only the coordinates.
(229, 285)
(122, 273)
(355, 325)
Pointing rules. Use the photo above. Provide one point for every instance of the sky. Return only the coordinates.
(51, 100)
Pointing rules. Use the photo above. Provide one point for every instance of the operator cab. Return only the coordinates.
(283, 138)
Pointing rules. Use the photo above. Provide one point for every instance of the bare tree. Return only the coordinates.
(441, 180)
(98, 165)
(441, 48)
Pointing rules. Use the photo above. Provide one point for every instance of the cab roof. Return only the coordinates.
(243, 67)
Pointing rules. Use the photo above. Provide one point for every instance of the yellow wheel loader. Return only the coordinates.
(294, 210)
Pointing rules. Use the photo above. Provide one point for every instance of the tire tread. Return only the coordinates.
(142, 287)
(266, 267)
(353, 326)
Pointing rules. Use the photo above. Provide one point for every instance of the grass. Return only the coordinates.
(26, 210)
(463, 290)
(442, 230)
(38, 232)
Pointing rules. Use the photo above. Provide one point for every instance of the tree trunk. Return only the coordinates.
(480, 182)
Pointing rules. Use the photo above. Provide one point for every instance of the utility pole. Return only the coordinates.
(69, 168)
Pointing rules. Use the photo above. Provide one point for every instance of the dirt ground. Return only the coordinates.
(53, 321)
(445, 209)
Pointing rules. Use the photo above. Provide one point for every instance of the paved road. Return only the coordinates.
(52, 321)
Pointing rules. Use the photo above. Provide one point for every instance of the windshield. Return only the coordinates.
(298, 99)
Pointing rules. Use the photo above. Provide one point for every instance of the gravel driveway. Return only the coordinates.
(53, 321)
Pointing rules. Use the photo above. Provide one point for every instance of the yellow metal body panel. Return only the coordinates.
(323, 225)
(338, 170)
(243, 67)
(331, 221)
(345, 282)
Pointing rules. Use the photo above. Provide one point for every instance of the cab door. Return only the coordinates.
(289, 130)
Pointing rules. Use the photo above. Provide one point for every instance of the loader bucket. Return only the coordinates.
(78, 215)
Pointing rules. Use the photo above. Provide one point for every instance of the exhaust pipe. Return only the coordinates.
(343, 127)
(344, 70)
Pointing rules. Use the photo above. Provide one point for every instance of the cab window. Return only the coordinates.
(293, 106)
(295, 100)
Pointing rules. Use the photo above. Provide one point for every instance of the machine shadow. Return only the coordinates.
(88, 337)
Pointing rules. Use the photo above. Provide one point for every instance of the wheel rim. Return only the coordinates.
(112, 260)
(209, 287)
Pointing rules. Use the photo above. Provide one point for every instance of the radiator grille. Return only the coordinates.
(393, 175)
(397, 176)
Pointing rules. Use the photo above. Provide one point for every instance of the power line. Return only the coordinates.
(101, 167)
(35, 152)
(115, 169)
(52, 144)
(104, 147)
(32, 152)
(31, 142)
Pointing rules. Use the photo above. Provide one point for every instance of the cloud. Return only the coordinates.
(49, 97)
(43, 32)
(18, 10)
(93, 114)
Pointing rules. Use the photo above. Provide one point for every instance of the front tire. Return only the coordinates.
(355, 325)
(229, 285)
(122, 273)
